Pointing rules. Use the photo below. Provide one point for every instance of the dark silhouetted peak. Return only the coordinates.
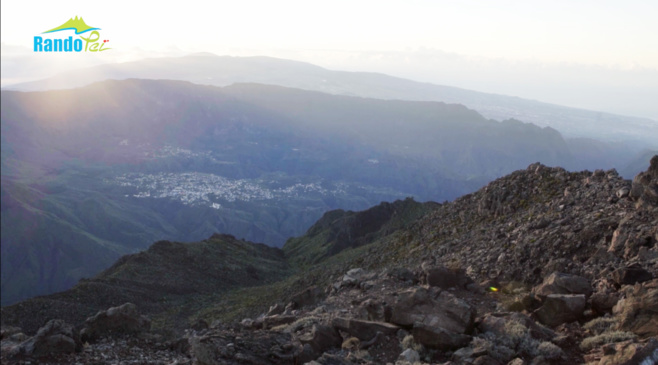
(339, 230)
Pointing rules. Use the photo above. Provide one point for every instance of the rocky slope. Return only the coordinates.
(542, 266)
(169, 277)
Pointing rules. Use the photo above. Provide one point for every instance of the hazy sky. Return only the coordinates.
(606, 39)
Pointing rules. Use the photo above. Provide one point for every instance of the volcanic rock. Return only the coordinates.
(122, 319)
(638, 311)
(433, 308)
(321, 338)
(438, 337)
(629, 275)
(561, 283)
(561, 308)
(55, 337)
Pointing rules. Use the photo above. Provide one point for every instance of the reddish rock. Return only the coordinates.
(638, 312)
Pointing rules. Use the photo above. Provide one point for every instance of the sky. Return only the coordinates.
(599, 54)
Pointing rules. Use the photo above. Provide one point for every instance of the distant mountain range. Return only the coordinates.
(209, 69)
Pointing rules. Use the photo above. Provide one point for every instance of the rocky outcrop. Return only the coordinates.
(437, 337)
(629, 353)
(321, 338)
(231, 346)
(435, 308)
(638, 311)
(116, 320)
(645, 186)
(437, 318)
(561, 308)
(56, 337)
(561, 283)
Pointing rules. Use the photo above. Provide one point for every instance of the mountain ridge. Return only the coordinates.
(225, 70)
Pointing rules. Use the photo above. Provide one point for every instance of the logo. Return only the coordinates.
(91, 43)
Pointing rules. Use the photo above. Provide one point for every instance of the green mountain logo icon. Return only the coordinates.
(78, 25)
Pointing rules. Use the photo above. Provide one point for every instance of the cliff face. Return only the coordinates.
(540, 266)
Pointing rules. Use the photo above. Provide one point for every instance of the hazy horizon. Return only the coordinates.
(597, 55)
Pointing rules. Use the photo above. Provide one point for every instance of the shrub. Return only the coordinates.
(607, 337)
(600, 325)
(409, 343)
(498, 352)
(550, 351)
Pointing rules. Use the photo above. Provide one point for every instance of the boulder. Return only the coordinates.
(373, 310)
(438, 338)
(603, 302)
(623, 192)
(55, 337)
(433, 308)
(560, 283)
(438, 319)
(358, 277)
(561, 308)
(354, 276)
(322, 338)
(121, 319)
(363, 330)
